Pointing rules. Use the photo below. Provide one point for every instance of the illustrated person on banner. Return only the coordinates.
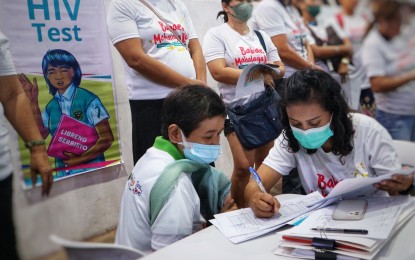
(160, 52)
(75, 117)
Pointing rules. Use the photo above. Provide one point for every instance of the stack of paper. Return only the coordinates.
(242, 225)
(383, 218)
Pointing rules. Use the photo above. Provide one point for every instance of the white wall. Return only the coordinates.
(87, 205)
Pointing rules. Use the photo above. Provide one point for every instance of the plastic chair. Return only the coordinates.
(406, 151)
(90, 251)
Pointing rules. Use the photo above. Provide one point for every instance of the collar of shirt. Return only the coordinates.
(67, 95)
(165, 145)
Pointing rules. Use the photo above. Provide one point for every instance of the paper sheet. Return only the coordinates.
(250, 81)
(242, 225)
(372, 246)
(354, 187)
(380, 217)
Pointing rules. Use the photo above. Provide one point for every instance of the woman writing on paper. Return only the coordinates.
(228, 48)
(325, 143)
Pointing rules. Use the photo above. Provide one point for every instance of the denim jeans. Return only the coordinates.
(401, 127)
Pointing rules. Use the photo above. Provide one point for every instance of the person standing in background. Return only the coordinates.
(332, 49)
(282, 22)
(389, 61)
(355, 25)
(228, 48)
(16, 107)
(159, 54)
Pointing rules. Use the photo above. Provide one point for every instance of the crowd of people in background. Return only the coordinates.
(339, 65)
(346, 77)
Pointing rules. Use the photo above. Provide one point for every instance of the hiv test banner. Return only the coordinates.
(62, 55)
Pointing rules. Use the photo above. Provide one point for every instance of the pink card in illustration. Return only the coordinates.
(72, 136)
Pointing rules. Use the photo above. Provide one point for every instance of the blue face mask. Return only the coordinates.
(200, 153)
(313, 138)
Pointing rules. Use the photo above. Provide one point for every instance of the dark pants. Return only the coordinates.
(146, 123)
(367, 102)
(7, 236)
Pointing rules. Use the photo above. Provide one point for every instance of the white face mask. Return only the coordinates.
(201, 153)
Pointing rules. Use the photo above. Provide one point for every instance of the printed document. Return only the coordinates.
(244, 225)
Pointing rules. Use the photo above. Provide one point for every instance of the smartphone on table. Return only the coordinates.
(350, 210)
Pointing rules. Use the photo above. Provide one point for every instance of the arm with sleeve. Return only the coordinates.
(96, 112)
(279, 159)
(373, 59)
(272, 51)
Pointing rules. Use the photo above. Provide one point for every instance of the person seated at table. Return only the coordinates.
(325, 143)
(193, 118)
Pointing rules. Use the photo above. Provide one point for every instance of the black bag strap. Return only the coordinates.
(261, 40)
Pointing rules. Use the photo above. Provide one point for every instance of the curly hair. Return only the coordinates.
(316, 86)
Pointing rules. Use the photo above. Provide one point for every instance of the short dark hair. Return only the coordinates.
(187, 107)
(317, 86)
(57, 58)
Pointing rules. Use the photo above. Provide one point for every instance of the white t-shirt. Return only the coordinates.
(372, 150)
(177, 219)
(131, 19)
(275, 19)
(222, 42)
(6, 69)
(390, 58)
(355, 27)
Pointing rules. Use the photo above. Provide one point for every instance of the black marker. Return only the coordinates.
(343, 230)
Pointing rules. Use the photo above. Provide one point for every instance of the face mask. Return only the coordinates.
(313, 138)
(313, 10)
(200, 153)
(242, 11)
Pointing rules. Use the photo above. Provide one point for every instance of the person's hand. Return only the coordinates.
(350, 51)
(397, 183)
(39, 164)
(269, 81)
(316, 67)
(229, 205)
(343, 72)
(196, 82)
(264, 205)
(31, 89)
(73, 159)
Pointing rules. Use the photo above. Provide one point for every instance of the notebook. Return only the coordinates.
(72, 136)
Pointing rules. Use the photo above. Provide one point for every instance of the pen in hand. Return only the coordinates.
(256, 177)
